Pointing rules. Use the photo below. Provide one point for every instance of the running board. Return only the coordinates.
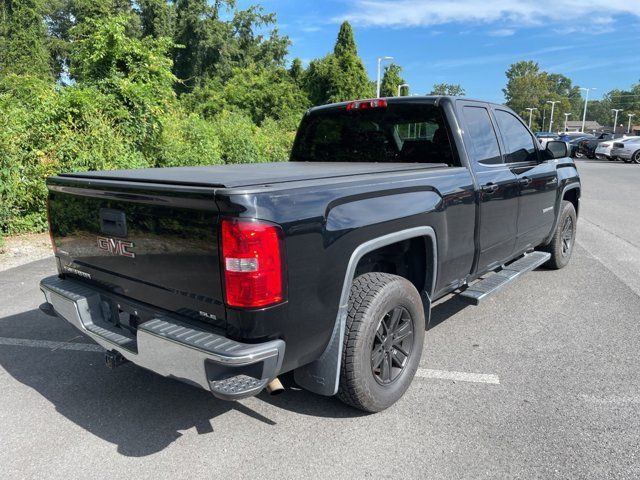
(482, 289)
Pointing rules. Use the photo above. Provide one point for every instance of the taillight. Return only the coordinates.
(367, 104)
(252, 259)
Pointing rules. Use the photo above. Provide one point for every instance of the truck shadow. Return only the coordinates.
(140, 412)
(444, 309)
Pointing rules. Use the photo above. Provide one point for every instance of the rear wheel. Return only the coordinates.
(636, 157)
(564, 237)
(382, 343)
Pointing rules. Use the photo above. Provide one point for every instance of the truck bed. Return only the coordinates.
(244, 175)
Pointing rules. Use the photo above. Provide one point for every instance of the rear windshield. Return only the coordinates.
(394, 134)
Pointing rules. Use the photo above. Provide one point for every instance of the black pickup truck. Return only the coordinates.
(226, 277)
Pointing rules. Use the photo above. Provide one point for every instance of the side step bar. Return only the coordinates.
(482, 289)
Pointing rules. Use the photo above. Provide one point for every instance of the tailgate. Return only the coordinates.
(157, 245)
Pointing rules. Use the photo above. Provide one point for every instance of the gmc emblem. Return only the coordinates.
(116, 247)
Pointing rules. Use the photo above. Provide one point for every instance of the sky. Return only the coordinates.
(596, 43)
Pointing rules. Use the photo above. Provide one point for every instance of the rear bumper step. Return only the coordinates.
(482, 289)
(170, 347)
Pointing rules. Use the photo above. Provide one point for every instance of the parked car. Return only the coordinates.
(603, 149)
(627, 151)
(569, 136)
(226, 277)
(572, 145)
(587, 146)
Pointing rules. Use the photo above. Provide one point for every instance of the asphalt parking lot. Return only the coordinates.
(541, 381)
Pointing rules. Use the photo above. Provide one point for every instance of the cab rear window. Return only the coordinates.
(414, 133)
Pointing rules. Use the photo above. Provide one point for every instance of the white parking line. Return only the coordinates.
(23, 342)
(458, 376)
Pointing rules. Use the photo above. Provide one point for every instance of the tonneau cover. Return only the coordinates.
(243, 175)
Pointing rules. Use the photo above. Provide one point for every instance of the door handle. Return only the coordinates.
(524, 181)
(490, 187)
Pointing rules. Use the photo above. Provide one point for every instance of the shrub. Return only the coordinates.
(187, 140)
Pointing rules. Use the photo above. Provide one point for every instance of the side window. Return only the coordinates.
(483, 138)
(517, 139)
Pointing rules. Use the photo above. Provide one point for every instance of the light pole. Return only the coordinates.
(629, 126)
(586, 100)
(553, 105)
(401, 86)
(544, 116)
(566, 117)
(531, 109)
(615, 119)
(380, 60)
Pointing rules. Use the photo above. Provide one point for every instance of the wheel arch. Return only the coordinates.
(322, 376)
(570, 192)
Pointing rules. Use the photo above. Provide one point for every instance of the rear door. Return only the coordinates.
(498, 196)
(537, 180)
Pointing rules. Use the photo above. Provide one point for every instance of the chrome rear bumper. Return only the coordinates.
(168, 345)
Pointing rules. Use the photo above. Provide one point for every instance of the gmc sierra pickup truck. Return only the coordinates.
(226, 277)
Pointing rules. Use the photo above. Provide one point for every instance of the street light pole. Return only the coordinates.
(544, 116)
(531, 109)
(553, 105)
(566, 117)
(400, 88)
(586, 100)
(629, 126)
(615, 119)
(380, 60)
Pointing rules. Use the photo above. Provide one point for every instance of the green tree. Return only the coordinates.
(391, 80)
(156, 18)
(23, 41)
(340, 75)
(63, 16)
(453, 89)
(260, 93)
(529, 87)
(296, 70)
(211, 47)
(628, 101)
(136, 72)
(350, 80)
(526, 87)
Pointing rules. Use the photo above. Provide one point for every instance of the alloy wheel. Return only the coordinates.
(567, 236)
(392, 345)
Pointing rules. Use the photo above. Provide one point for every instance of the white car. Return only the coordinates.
(603, 151)
(628, 151)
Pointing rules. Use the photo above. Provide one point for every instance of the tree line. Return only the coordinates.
(112, 84)
(529, 87)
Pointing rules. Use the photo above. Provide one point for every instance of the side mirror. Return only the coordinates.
(556, 149)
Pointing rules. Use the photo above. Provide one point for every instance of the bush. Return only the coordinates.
(187, 140)
(57, 130)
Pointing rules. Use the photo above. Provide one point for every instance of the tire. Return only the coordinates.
(636, 157)
(564, 238)
(376, 302)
